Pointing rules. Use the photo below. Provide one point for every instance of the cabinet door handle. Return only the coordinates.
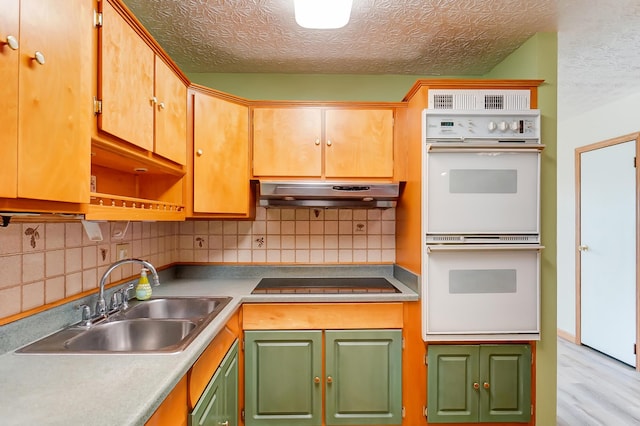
(485, 385)
(161, 106)
(39, 57)
(317, 141)
(329, 379)
(199, 153)
(476, 385)
(12, 42)
(153, 100)
(316, 380)
(224, 423)
(328, 142)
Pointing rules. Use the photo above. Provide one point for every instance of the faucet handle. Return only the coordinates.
(114, 301)
(124, 292)
(86, 315)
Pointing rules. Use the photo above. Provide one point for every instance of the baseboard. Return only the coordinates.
(567, 336)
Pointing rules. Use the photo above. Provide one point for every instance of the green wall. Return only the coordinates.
(535, 59)
(310, 87)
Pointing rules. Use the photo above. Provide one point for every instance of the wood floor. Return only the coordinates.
(594, 389)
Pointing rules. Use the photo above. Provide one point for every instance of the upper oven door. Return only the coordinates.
(476, 191)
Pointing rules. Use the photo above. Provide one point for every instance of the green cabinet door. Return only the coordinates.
(479, 383)
(363, 377)
(282, 378)
(209, 409)
(219, 401)
(451, 382)
(505, 374)
(229, 373)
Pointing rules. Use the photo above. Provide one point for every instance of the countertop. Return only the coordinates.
(120, 389)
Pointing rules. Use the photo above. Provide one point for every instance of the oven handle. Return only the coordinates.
(484, 247)
(495, 147)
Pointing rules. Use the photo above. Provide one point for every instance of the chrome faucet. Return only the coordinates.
(101, 305)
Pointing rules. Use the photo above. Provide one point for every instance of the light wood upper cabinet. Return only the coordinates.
(126, 87)
(323, 142)
(359, 143)
(143, 101)
(171, 114)
(287, 142)
(221, 156)
(9, 30)
(46, 99)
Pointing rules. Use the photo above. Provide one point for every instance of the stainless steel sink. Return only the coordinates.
(138, 335)
(159, 325)
(183, 307)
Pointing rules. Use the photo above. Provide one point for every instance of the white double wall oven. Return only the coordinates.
(481, 225)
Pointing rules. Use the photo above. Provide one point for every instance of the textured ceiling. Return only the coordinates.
(598, 52)
(421, 37)
(598, 40)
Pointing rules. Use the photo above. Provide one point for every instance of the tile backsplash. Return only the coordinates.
(41, 263)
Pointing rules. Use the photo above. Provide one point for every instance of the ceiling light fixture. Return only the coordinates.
(322, 14)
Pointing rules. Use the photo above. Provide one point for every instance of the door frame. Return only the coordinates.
(578, 260)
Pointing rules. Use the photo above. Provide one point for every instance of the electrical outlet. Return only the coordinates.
(122, 251)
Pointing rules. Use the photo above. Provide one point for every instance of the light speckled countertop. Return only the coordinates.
(120, 389)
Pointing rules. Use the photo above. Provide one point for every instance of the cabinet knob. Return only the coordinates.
(224, 423)
(328, 142)
(161, 106)
(485, 385)
(583, 248)
(12, 42)
(476, 385)
(317, 141)
(329, 379)
(316, 380)
(39, 57)
(153, 100)
(199, 153)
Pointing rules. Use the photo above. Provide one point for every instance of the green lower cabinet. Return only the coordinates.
(281, 368)
(364, 377)
(479, 383)
(219, 402)
(284, 381)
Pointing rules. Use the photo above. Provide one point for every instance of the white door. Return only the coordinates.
(608, 250)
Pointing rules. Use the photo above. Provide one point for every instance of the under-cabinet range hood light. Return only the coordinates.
(380, 195)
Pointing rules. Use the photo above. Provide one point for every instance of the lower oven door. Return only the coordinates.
(477, 292)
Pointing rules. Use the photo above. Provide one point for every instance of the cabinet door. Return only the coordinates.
(282, 378)
(363, 377)
(505, 380)
(287, 142)
(209, 411)
(55, 100)
(126, 85)
(452, 383)
(221, 162)
(219, 401)
(229, 369)
(359, 143)
(171, 114)
(9, 27)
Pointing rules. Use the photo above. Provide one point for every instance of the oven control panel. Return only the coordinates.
(486, 126)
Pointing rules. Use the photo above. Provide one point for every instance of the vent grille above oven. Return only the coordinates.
(472, 100)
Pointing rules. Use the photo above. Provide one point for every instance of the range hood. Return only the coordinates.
(329, 194)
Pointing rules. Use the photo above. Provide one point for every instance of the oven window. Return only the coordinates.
(483, 181)
(474, 281)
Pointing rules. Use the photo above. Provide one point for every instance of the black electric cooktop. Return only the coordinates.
(325, 285)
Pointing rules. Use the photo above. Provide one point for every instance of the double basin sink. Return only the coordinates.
(158, 325)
